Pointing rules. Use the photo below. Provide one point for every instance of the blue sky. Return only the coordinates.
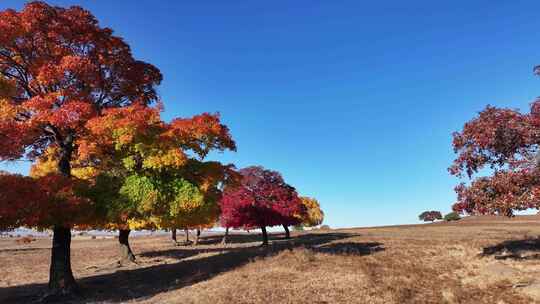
(354, 102)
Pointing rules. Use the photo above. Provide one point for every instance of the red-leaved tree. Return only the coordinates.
(261, 199)
(504, 142)
(58, 70)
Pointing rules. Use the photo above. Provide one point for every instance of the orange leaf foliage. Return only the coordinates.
(137, 137)
(59, 69)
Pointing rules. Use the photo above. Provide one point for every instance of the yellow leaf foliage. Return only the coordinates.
(48, 163)
(314, 215)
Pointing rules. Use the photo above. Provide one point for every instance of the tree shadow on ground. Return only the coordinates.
(126, 284)
(525, 249)
(350, 248)
(278, 243)
(238, 238)
(23, 249)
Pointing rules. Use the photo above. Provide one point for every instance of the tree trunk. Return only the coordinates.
(126, 255)
(224, 240)
(64, 160)
(186, 231)
(287, 232)
(197, 236)
(61, 280)
(264, 236)
(173, 236)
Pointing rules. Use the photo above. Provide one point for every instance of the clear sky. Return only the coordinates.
(353, 102)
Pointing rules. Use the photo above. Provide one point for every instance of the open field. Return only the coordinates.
(476, 260)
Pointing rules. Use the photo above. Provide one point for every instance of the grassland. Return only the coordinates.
(477, 260)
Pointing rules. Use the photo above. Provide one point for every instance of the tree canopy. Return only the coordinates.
(505, 143)
(313, 215)
(430, 216)
(62, 69)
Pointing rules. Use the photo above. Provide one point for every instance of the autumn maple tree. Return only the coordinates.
(261, 199)
(165, 182)
(502, 144)
(59, 69)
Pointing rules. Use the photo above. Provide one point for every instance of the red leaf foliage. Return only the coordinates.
(43, 202)
(500, 194)
(507, 142)
(497, 137)
(261, 199)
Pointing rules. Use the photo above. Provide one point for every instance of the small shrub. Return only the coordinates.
(325, 227)
(452, 216)
(298, 228)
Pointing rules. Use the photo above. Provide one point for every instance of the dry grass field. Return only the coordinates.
(476, 260)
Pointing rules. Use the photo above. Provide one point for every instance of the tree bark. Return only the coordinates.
(224, 240)
(126, 255)
(264, 236)
(186, 231)
(197, 236)
(287, 232)
(61, 280)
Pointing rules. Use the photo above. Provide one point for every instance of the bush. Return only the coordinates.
(325, 227)
(430, 216)
(298, 228)
(452, 216)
